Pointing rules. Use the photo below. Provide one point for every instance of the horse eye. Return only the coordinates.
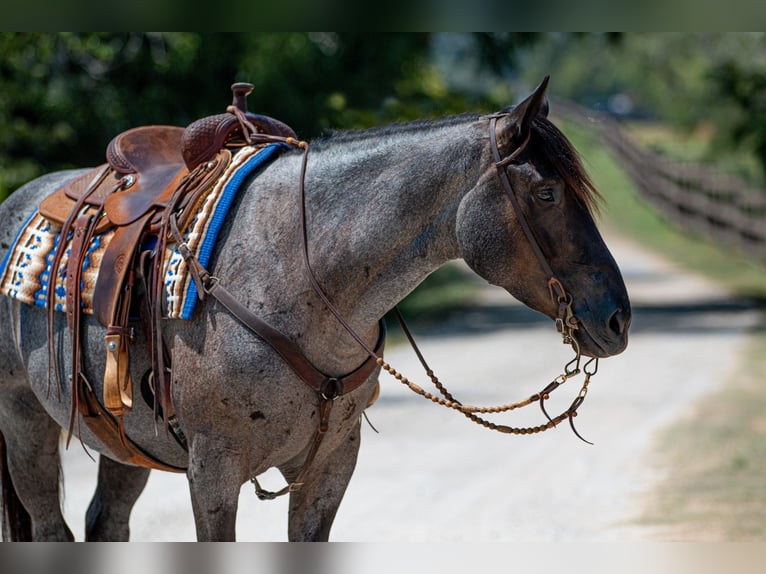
(546, 194)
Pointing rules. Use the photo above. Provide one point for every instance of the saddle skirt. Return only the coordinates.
(26, 268)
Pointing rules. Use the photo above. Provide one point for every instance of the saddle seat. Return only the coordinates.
(145, 167)
(150, 159)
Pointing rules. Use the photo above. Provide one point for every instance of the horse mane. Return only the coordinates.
(547, 140)
(564, 158)
(399, 128)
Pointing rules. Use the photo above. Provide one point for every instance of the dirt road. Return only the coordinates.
(431, 475)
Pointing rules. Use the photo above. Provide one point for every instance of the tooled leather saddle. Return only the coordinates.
(151, 173)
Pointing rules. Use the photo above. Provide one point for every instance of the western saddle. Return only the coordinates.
(155, 176)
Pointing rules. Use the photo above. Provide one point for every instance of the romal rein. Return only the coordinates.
(329, 388)
(566, 323)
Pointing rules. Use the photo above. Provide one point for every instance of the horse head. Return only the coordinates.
(528, 227)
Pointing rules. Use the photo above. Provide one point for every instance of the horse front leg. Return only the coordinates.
(119, 486)
(215, 477)
(313, 507)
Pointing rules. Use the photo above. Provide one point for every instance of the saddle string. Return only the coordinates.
(162, 384)
(61, 249)
(84, 228)
(80, 225)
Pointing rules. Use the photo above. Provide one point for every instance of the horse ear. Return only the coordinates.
(518, 122)
(545, 108)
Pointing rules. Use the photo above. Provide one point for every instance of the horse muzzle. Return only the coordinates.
(606, 337)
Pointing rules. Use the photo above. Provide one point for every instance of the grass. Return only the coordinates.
(698, 146)
(713, 462)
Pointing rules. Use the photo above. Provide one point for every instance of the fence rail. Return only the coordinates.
(695, 197)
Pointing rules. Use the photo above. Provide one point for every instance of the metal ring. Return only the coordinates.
(593, 360)
(570, 372)
(330, 389)
(210, 283)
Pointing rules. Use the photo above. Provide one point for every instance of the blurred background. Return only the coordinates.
(672, 127)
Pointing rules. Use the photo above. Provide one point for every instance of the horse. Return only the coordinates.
(382, 209)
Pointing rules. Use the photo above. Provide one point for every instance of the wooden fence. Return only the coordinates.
(693, 196)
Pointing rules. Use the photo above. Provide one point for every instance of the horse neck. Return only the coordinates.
(381, 210)
(380, 213)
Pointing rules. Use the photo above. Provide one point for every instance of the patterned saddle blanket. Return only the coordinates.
(25, 271)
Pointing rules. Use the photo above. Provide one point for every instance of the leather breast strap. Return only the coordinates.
(327, 387)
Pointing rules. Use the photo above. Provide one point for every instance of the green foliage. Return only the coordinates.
(63, 96)
(687, 80)
(744, 85)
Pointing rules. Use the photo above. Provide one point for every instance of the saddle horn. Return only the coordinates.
(241, 90)
(202, 139)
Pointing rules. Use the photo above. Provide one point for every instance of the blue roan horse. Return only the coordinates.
(383, 209)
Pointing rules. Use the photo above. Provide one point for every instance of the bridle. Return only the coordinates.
(329, 388)
(566, 321)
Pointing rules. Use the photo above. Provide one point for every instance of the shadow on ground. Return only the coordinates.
(689, 318)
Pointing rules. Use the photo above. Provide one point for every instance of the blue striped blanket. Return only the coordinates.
(25, 269)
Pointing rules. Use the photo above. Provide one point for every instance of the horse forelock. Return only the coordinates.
(548, 140)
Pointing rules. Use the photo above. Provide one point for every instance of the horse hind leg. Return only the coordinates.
(31, 466)
(31, 479)
(119, 486)
(17, 524)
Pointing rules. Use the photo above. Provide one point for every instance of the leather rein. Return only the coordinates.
(329, 388)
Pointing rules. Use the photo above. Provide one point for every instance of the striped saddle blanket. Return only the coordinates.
(25, 271)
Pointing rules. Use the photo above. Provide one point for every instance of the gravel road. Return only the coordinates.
(432, 475)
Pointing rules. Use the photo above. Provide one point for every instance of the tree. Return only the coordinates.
(741, 83)
(63, 96)
(683, 79)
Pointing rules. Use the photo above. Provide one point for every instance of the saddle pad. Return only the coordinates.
(24, 273)
(25, 270)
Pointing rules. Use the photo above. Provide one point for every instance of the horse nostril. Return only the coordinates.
(618, 321)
